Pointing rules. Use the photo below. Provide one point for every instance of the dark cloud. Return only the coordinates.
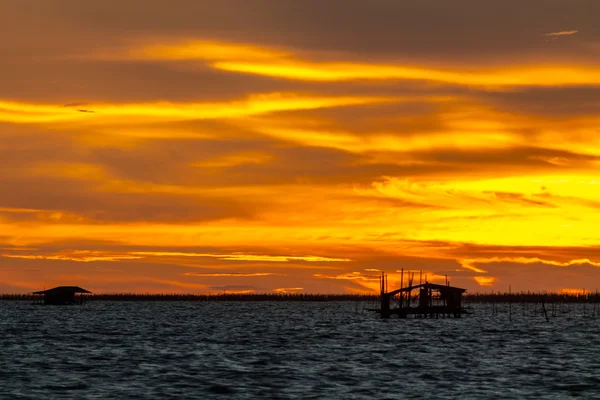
(457, 29)
(526, 277)
(76, 81)
(548, 102)
(187, 162)
(535, 157)
(83, 202)
(558, 253)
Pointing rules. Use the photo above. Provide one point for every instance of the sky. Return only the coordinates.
(196, 146)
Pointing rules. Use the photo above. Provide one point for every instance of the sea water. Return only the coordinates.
(281, 350)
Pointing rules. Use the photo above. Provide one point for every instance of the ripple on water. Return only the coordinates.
(288, 350)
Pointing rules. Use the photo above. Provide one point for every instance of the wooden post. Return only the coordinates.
(509, 304)
(401, 287)
(402, 278)
(385, 301)
(544, 308)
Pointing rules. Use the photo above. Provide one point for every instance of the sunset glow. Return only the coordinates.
(161, 154)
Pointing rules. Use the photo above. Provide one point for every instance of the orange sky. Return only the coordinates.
(274, 145)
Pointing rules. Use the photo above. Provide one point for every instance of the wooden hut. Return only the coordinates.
(427, 300)
(63, 295)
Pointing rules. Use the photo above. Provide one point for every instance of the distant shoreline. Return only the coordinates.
(527, 297)
(210, 297)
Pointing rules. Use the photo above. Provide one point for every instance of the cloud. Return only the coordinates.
(561, 33)
(245, 257)
(20, 112)
(469, 263)
(303, 140)
(485, 280)
(288, 290)
(232, 274)
(256, 60)
(18, 210)
(235, 288)
(77, 256)
(348, 276)
(373, 29)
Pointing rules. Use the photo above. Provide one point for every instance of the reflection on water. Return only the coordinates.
(289, 350)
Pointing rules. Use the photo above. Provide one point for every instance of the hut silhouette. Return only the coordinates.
(63, 295)
(432, 300)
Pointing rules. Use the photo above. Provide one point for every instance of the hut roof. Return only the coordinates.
(63, 290)
(429, 286)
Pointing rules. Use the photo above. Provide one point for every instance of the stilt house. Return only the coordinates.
(63, 295)
(427, 300)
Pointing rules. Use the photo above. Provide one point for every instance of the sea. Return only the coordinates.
(293, 350)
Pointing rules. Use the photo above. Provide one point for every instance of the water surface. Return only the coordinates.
(291, 350)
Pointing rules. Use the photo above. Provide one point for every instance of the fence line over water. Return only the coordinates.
(472, 298)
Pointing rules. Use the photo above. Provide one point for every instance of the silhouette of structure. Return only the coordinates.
(63, 295)
(427, 300)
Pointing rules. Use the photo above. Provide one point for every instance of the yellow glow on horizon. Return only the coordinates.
(288, 290)
(485, 281)
(471, 213)
(572, 291)
(233, 291)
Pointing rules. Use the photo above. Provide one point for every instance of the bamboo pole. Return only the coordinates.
(545, 313)
(509, 304)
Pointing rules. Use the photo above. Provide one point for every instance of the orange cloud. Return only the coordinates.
(348, 276)
(469, 263)
(561, 33)
(288, 290)
(251, 59)
(77, 256)
(233, 291)
(19, 112)
(485, 281)
(244, 257)
(18, 210)
(232, 274)
(319, 173)
(370, 283)
(206, 50)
